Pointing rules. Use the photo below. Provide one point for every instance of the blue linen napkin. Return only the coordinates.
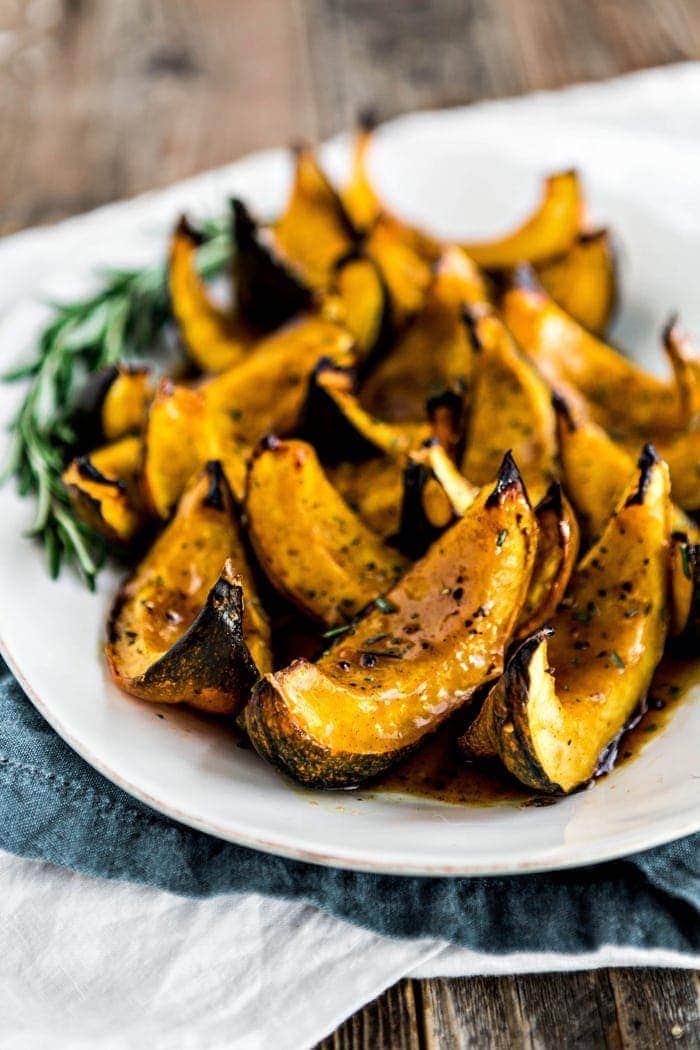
(56, 807)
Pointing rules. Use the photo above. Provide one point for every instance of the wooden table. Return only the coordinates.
(101, 99)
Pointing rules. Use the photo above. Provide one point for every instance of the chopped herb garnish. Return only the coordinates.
(376, 638)
(501, 538)
(384, 605)
(393, 654)
(617, 660)
(335, 631)
(632, 611)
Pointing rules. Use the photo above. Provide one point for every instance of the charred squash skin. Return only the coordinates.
(366, 305)
(103, 489)
(584, 281)
(314, 231)
(550, 232)
(622, 397)
(187, 627)
(568, 692)
(435, 351)
(268, 290)
(214, 339)
(310, 544)
(511, 408)
(412, 660)
(342, 430)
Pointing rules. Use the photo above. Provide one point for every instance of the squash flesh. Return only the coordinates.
(563, 700)
(449, 618)
(583, 282)
(373, 489)
(313, 231)
(125, 405)
(550, 231)
(162, 600)
(622, 397)
(103, 488)
(311, 545)
(511, 408)
(214, 339)
(174, 445)
(434, 351)
(365, 304)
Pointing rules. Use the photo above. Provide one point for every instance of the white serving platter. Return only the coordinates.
(462, 173)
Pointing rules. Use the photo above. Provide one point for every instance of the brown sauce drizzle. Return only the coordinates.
(438, 772)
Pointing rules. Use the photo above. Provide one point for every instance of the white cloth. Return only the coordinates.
(90, 963)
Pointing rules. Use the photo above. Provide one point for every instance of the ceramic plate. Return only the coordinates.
(451, 172)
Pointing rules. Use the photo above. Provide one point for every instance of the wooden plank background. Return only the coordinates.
(101, 99)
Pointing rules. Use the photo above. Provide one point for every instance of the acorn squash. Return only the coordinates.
(595, 472)
(365, 304)
(373, 489)
(584, 281)
(407, 273)
(555, 715)
(434, 352)
(510, 408)
(313, 548)
(340, 428)
(266, 393)
(103, 488)
(175, 445)
(187, 627)
(268, 289)
(412, 660)
(313, 231)
(550, 231)
(623, 398)
(215, 339)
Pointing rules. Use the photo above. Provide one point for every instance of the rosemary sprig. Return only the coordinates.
(126, 317)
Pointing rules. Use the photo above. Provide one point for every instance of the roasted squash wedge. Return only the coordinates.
(373, 489)
(557, 712)
(550, 231)
(314, 231)
(314, 549)
(365, 208)
(339, 427)
(268, 289)
(682, 453)
(103, 488)
(175, 445)
(595, 472)
(406, 273)
(623, 397)
(366, 305)
(584, 281)
(187, 627)
(213, 338)
(412, 660)
(510, 408)
(266, 393)
(435, 351)
(436, 494)
(557, 552)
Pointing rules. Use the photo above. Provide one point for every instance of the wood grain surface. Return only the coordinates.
(101, 99)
